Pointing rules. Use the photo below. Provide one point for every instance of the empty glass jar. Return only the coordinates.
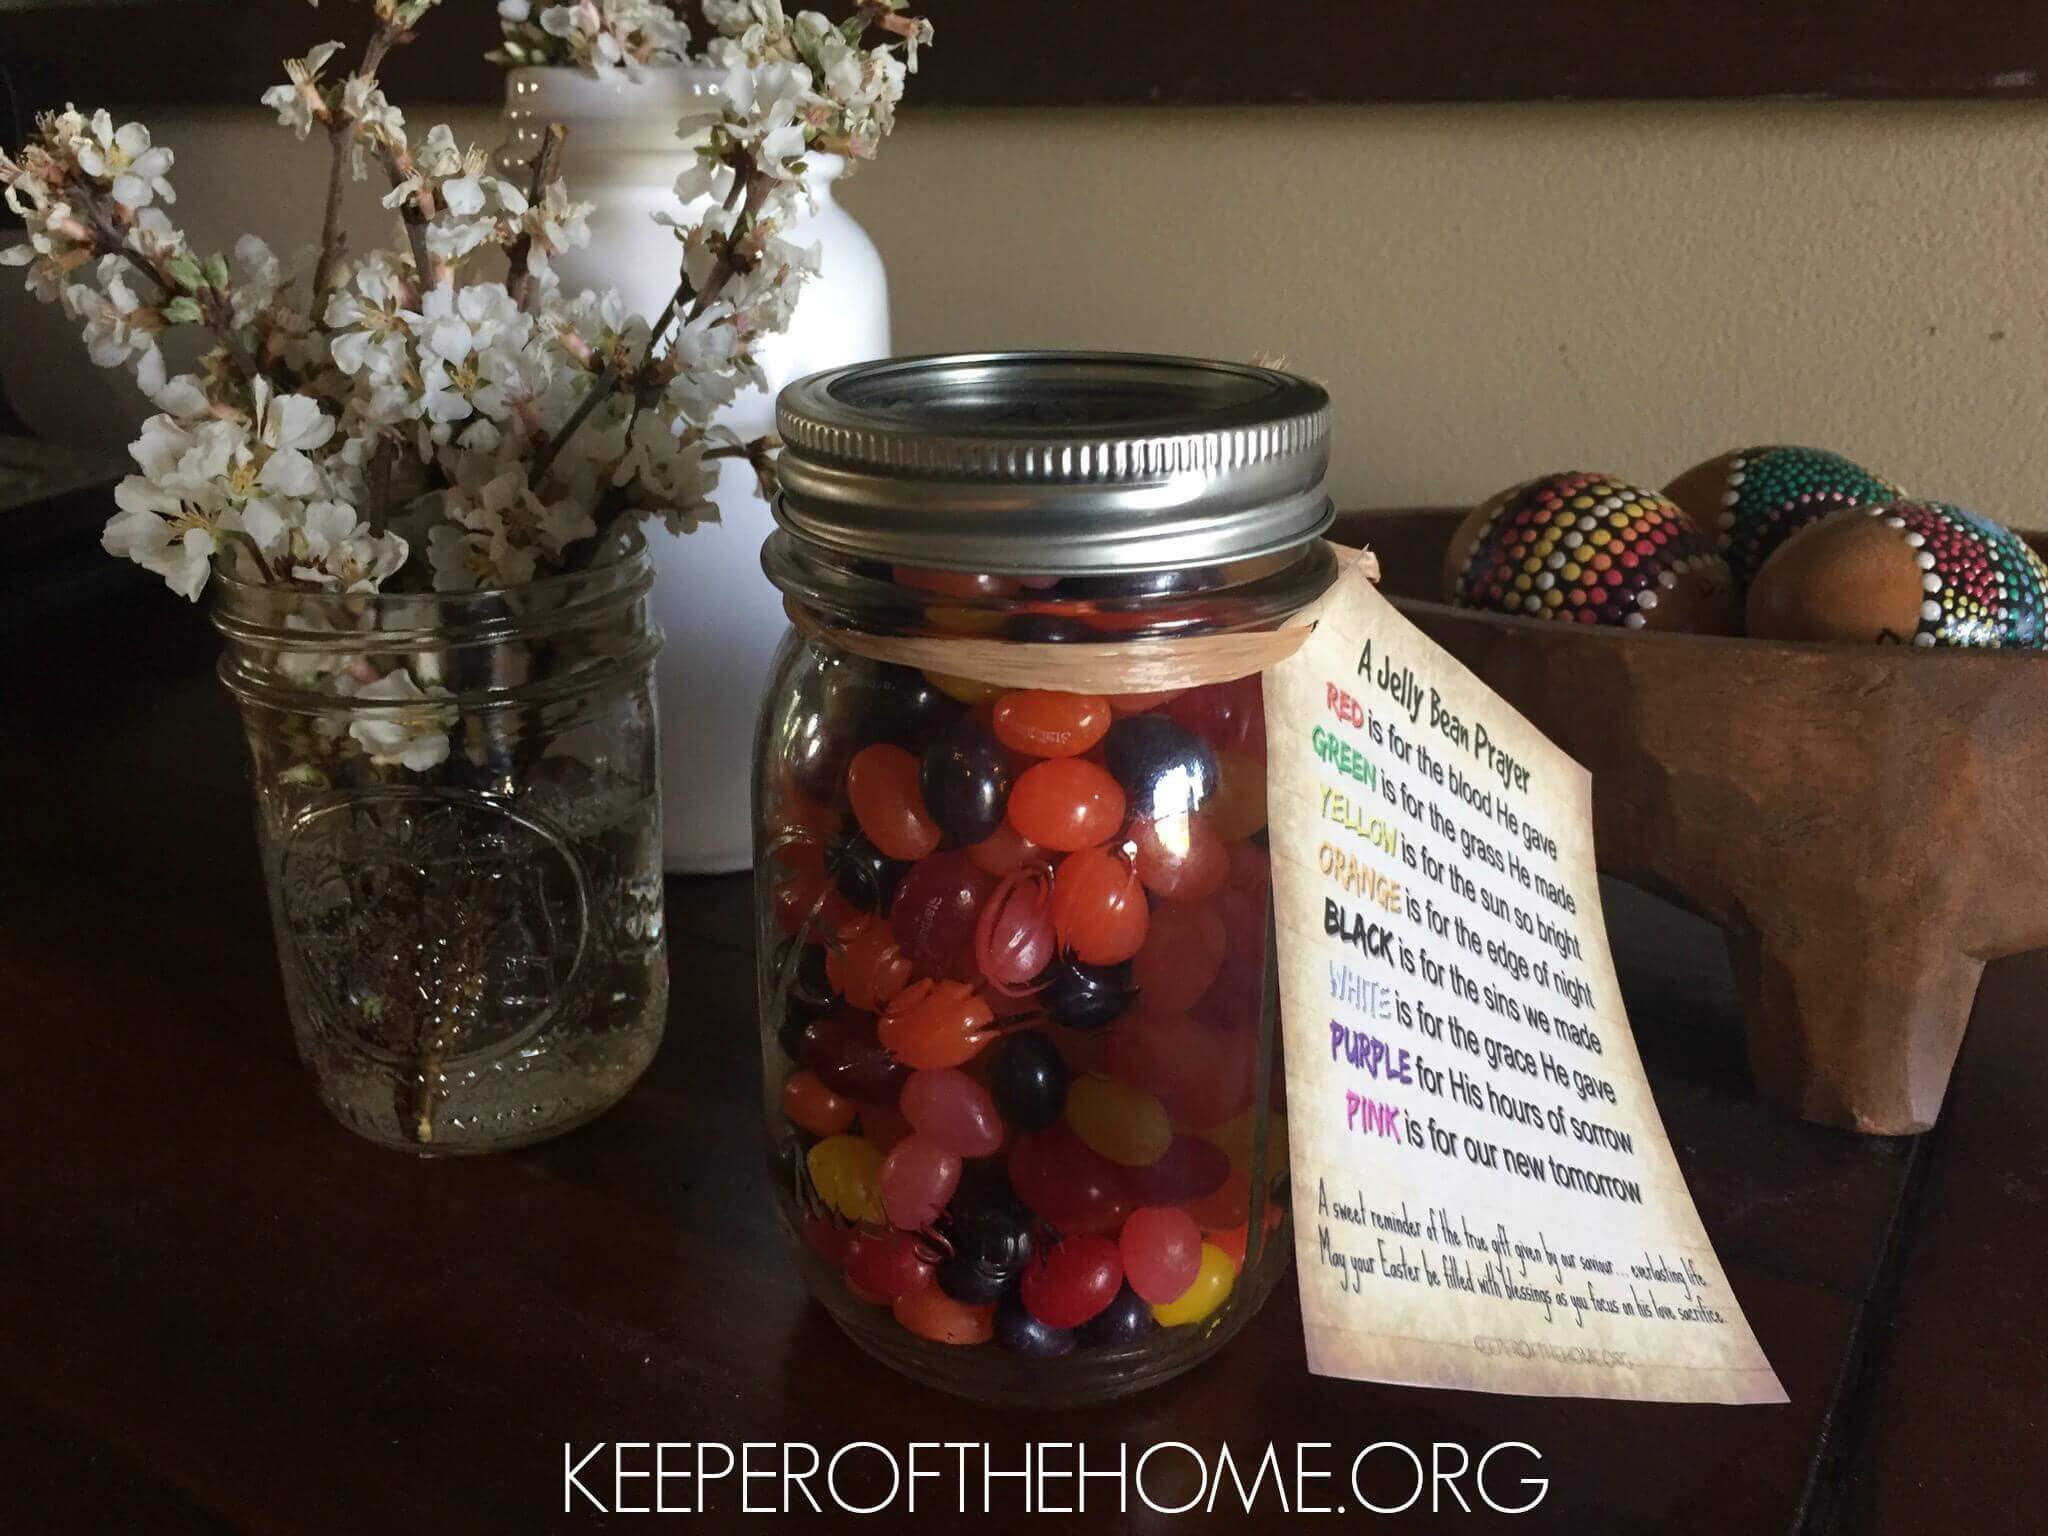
(456, 801)
(1019, 1029)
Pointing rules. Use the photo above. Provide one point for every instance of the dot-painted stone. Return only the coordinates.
(1756, 498)
(1918, 573)
(1589, 548)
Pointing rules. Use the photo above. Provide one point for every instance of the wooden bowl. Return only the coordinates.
(1868, 825)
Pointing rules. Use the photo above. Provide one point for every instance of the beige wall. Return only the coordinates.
(1488, 292)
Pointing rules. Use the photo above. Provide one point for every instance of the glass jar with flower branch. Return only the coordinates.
(414, 480)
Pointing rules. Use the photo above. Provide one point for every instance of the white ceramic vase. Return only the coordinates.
(722, 618)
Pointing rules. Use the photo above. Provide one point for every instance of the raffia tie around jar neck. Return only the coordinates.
(1127, 666)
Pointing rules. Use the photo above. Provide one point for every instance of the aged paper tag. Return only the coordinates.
(1484, 1195)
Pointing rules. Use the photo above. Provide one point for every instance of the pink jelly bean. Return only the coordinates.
(1013, 938)
(1162, 1252)
(952, 1111)
(918, 1177)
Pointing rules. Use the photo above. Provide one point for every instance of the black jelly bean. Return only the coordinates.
(966, 781)
(1165, 768)
(1046, 628)
(1022, 1334)
(1126, 1320)
(1028, 1077)
(1086, 996)
(864, 874)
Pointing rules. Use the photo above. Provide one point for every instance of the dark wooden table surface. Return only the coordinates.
(221, 1312)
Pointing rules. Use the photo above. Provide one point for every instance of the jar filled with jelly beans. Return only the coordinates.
(1019, 1033)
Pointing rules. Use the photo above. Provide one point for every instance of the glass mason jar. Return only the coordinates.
(1019, 1016)
(457, 808)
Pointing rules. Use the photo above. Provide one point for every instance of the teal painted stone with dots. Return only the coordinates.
(1754, 499)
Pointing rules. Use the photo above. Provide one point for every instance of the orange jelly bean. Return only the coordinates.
(1042, 723)
(882, 783)
(1064, 803)
(867, 967)
(1003, 850)
(813, 1107)
(1180, 858)
(1098, 907)
(1238, 808)
(932, 1024)
(932, 1314)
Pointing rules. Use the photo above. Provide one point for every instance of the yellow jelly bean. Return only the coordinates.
(968, 690)
(1238, 808)
(847, 1171)
(1212, 1283)
(1125, 1124)
(1234, 1136)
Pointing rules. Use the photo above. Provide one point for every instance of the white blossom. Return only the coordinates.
(412, 731)
(123, 157)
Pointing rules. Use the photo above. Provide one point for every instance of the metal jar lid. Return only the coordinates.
(1053, 463)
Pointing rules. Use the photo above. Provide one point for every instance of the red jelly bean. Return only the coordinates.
(882, 783)
(1226, 715)
(1066, 803)
(1014, 938)
(1230, 1205)
(1138, 703)
(1162, 1252)
(807, 903)
(1180, 858)
(867, 966)
(1181, 955)
(842, 1048)
(932, 1314)
(1072, 1282)
(1193, 1168)
(934, 912)
(953, 583)
(1004, 850)
(826, 1238)
(1098, 907)
(886, 1265)
(918, 1177)
(936, 1024)
(1066, 1184)
(813, 1107)
(953, 1111)
(1042, 723)
(884, 1125)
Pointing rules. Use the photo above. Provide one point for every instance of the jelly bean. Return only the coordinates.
(807, 907)
(845, 1170)
(843, 1049)
(934, 914)
(863, 702)
(1228, 716)
(887, 1264)
(1201, 1070)
(952, 583)
(1073, 1281)
(967, 690)
(1191, 1168)
(1014, 938)
(801, 818)
(867, 964)
(882, 784)
(1162, 1252)
(917, 1178)
(826, 1238)
(1213, 1280)
(1251, 869)
(1066, 803)
(1230, 1205)
(1041, 723)
(953, 1111)
(1098, 907)
(813, 1107)
(1087, 996)
(1124, 1123)
(965, 779)
(861, 1293)
(1124, 1322)
(936, 1024)
(932, 1314)
(1045, 627)
(862, 873)
(1180, 959)
(1066, 1183)
(1234, 1136)
(1235, 995)
(1238, 808)
(1022, 1334)
(1028, 1078)
(1005, 849)
(1230, 1242)
(805, 990)
(1180, 858)
(1165, 769)
(1138, 703)
(884, 1125)
(998, 1236)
